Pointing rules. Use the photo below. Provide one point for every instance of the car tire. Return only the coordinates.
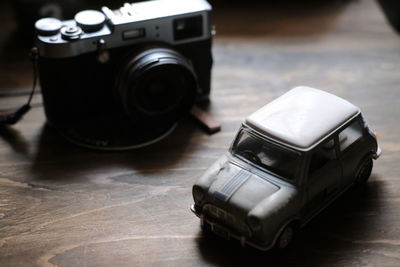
(364, 171)
(206, 229)
(286, 237)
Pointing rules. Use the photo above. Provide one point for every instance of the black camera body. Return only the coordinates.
(122, 79)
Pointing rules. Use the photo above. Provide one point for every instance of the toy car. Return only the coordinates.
(289, 161)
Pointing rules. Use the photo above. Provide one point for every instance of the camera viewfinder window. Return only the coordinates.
(134, 34)
(186, 28)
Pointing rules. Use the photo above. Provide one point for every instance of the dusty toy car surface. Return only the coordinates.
(289, 160)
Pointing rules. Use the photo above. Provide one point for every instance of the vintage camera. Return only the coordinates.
(120, 79)
(391, 9)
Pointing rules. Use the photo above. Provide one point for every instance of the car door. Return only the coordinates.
(323, 178)
(351, 149)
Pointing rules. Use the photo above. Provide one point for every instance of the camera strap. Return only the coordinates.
(13, 117)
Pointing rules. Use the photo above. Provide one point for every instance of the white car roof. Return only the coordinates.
(302, 117)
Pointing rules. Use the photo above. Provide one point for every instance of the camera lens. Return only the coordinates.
(160, 90)
(157, 86)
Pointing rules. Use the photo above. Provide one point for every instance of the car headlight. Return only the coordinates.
(254, 223)
(198, 193)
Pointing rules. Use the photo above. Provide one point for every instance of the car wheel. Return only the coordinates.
(364, 171)
(286, 237)
(206, 229)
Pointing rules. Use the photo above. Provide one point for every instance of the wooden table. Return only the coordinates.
(68, 206)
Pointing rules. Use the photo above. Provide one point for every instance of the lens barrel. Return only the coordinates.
(157, 86)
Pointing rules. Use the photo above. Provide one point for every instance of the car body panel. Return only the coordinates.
(233, 185)
(322, 186)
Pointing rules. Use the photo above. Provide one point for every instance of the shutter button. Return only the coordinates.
(71, 32)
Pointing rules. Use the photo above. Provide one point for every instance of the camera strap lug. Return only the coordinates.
(103, 56)
(205, 119)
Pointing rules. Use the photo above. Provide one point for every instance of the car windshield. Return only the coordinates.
(276, 159)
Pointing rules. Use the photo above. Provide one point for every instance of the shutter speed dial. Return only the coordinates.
(90, 20)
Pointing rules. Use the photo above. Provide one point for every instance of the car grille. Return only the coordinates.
(224, 217)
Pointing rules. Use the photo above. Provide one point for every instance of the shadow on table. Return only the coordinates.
(331, 238)
(58, 159)
(14, 138)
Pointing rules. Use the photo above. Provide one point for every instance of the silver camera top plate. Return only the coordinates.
(170, 21)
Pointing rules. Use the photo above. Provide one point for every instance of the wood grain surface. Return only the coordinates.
(61, 205)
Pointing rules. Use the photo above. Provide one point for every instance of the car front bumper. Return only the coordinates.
(228, 233)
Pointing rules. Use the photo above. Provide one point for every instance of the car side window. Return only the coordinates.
(350, 134)
(322, 155)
